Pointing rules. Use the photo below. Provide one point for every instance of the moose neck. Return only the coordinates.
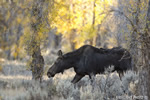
(71, 61)
(72, 58)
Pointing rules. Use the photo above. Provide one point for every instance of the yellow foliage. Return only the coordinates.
(1, 68)
(15, 54)
(8, 15)
(77, 15)
(18, 20)
(28, 64)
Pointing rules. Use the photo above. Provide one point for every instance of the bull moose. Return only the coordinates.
(89, 60)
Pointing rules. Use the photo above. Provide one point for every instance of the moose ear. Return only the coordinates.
(60, 53)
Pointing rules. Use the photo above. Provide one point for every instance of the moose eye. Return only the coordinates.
(59, 59)
(56, 61)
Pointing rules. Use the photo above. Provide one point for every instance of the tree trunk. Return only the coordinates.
(145, 80)
(134, 43)
(146, 41)
(93, 40)
(37, 63)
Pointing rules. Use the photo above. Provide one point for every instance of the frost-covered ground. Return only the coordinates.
(16, 84)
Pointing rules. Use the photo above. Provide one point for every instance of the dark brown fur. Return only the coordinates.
(88, 60)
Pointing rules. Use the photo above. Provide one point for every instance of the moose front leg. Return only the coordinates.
(77, 78)
(92, 78)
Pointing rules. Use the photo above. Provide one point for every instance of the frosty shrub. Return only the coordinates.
(26, 90)
(107, 86)
(66, 89)
(90, 93)
(15, 68)
(130, 81)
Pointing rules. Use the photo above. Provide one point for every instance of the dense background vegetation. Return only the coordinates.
(50, 25)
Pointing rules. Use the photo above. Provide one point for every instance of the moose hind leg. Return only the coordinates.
(92, 78)
(120, 74)
(77, 78)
